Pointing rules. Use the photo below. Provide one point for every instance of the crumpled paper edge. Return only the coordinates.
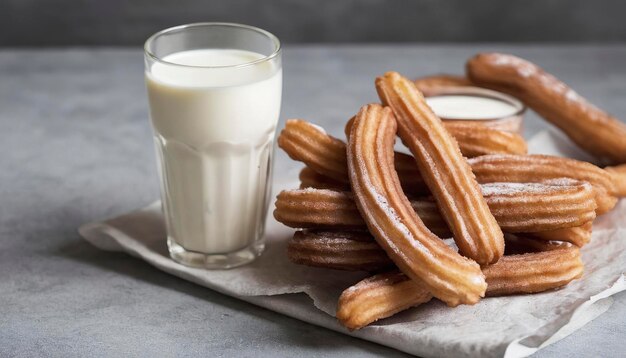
(583, 314)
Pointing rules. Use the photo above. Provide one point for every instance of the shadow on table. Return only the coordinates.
(298, 333)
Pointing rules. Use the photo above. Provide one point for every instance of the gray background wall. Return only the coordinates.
(130, 22)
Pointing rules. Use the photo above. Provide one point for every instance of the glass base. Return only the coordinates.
(214, 261)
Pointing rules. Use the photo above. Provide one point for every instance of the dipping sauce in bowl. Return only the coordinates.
(491, 108)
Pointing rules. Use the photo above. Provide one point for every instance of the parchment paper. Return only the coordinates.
(514, 326)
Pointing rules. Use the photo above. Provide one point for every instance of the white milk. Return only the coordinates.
(469, 107)
(214, 131)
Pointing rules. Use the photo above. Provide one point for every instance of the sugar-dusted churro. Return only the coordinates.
(444, 170)
(476, 139)
(531, 207)
(588, 126)
(351, 251)
(392, 221)
(326, 155)
(385, 294)
(537, 168)
(378, 297)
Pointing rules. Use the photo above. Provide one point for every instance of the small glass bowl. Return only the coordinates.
(510, 123)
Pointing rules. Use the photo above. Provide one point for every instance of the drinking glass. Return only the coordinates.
(214, 91)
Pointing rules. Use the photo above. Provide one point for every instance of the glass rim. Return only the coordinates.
(173, 29)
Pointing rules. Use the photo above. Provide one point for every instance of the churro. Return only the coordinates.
(537, 168)
(516, 207)
(476, 139)
(385, 294)
(392, 221)
(444, 170)
(592, 129)
(351, 251)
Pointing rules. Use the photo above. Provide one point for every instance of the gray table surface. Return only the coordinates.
(76, 147)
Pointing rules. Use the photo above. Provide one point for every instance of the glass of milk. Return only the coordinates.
(214, 91)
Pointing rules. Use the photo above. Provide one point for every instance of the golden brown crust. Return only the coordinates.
(591, 128)
(537, 168)
(444, 170)
(392, 221)
(311, 145)
(429, 85)
(475, 138)
(487, 168)
(516, 207)
(386, 294)
(323, 208)
(344, 250)
(618, 174)
(326, 155)
(350, 251)
(534, 272)
(378, 297)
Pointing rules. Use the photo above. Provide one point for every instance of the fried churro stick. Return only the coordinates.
(516, 207)
(350, 251)
(392, 221)
(319, 208)
(325, 154)
(591, 128)
(536, 168)
(358, 251)
(444, 170)
(386, 294)
(487, 168)
(476, 139)
(378, 297)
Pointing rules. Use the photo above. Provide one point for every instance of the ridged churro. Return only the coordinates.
(444, 170)
(322, 208)
(385, 294)
(358, 251)
(351, 251)
(588, 126)
(531, 207)
(378, 297)
(537, 168)
(476, 139)
(608, 183)
(392, 221)
(326, 155)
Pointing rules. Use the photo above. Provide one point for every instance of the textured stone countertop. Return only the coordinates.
(76, 147)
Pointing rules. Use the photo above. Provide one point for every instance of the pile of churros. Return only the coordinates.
(516, 221)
